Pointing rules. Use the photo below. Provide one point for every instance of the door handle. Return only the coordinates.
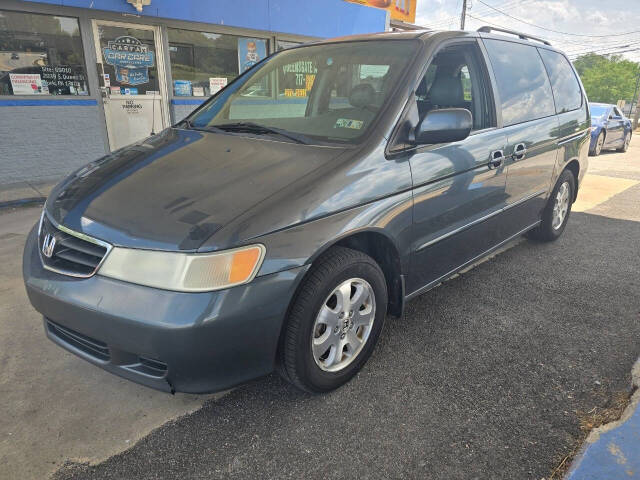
(519, 152)
(497, 157)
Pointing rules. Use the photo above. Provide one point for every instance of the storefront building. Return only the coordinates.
(80, 78)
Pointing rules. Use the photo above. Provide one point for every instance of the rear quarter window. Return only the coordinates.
(566, 89)
(523, 84)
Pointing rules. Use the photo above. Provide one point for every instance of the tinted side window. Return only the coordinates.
(566, 89)
(523, 83)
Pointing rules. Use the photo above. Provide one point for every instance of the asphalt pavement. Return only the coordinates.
(487, 376)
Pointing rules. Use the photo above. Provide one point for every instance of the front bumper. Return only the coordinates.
(171, 341)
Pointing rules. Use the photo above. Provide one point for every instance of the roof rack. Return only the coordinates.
(523, 36)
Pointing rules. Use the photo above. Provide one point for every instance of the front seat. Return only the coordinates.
(446, 90)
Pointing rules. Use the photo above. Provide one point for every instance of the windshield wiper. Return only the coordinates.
(188, 124)
(257, 129)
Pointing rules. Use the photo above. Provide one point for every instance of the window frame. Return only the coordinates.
(397, 145)
(575, 75)
(90, 95)
(496, 88)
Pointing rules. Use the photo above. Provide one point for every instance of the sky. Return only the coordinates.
(579, 25)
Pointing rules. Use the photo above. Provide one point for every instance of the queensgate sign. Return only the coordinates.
(130, 58)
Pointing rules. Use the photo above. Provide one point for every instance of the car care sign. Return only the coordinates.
(27, 84)
(130, 58)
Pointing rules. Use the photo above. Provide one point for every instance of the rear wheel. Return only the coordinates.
(625, 143)
(599, 144)
(556, 213)
(334, 321)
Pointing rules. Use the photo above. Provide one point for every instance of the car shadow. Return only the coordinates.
(485, 376)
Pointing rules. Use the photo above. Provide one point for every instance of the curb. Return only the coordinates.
(22, 202)
(616, 461)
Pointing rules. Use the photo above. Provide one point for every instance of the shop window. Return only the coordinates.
(203, 63)
(41, 55)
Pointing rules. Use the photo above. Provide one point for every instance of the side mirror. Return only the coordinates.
(444, 126)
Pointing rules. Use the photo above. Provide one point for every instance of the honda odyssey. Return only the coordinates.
(276, 231)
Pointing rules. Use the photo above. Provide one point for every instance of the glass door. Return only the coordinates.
(132, 81)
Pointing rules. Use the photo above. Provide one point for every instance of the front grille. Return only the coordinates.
(89, 345)
(71, 255)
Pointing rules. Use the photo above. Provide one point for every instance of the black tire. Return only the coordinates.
(599, 143)
(625, 143)
(296, 361)
(545, 232)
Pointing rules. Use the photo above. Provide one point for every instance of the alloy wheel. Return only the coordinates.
(599, 144)
(343, 324)
(560, 206)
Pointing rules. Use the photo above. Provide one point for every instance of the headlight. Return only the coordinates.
(592, 129)
(184, 272)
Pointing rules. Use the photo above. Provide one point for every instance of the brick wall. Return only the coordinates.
(42, 143)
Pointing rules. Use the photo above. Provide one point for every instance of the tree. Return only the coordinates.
(607, 78)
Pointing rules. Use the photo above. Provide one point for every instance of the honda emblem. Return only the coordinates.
(48, 245)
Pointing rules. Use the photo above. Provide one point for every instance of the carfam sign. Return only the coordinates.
(130, 58)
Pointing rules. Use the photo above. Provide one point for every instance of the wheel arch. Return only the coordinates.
(574, 167)
(386, 254)
(382, 249)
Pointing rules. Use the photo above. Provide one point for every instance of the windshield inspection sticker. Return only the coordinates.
(348, 123)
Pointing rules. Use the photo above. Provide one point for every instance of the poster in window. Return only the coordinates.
(250, 52)
(28, 84)
(182, 88)
(216, 84)
(130, 58)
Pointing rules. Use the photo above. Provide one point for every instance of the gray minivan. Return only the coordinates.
(277, 230)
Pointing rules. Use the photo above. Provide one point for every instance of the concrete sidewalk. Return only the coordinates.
(23, 193)
(613, 450)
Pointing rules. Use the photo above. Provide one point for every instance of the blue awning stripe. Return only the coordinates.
(46, 103)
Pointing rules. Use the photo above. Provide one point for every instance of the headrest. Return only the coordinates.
(446, 91)
(362, 95)
(421, 91)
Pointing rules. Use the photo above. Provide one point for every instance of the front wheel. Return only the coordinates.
(556, 213)
(334, 322)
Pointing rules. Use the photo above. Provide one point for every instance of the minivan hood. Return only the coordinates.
(176, 189)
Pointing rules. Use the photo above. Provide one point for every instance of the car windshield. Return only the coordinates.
(327, 93)
(598, 110)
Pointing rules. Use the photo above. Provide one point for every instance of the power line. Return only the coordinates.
(602, 49)
(620, 43)
(597, 52)
(557, 31)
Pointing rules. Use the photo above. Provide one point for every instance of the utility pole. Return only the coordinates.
(464, 14)
(634, 101)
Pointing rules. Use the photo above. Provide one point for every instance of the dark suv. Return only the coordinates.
(276, 231)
